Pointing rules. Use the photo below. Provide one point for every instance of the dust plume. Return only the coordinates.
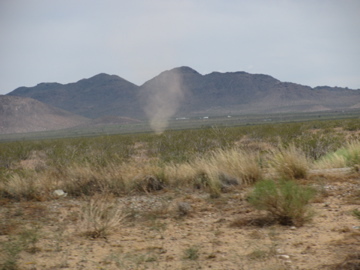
(163, 97)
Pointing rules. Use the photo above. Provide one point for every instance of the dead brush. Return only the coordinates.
(100, 214)
(143, 177)
(290, 162)
(181, 174)
(149, 183)
(24, 186)
(237, 163)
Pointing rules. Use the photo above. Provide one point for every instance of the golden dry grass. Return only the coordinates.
(290, 162)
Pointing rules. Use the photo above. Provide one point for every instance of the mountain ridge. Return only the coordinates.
(213, 93)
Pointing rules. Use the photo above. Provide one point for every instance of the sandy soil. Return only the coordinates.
(221, 233)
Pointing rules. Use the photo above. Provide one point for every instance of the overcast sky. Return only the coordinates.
(310, 42)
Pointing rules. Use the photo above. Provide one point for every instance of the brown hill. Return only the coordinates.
(20, 115)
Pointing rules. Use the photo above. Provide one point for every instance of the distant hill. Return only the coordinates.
(21, 115)
(211, 94)
(95, 97)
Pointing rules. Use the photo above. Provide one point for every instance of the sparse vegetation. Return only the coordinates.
(100, 214)
(173, 187)
(285, 200)
(356, 213)
(191, 253)
(10, 250)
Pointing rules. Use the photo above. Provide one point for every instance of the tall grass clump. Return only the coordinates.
(244, 166)
(285, 201)
(216, 171)
(290, 162)
(24, 185)
(347, 156)
(114, 178)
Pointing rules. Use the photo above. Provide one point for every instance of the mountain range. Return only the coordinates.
(179, 92)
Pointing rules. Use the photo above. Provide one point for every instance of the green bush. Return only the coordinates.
(285, 201)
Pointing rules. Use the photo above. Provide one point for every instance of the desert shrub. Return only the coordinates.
(351, 152)
(347, 156)
(100, 214)
(317, 145)
(290, 162)
(330, 161)
(184, 145)
(191, 253)
(24, 185)
(238, 164)
(208, 179)
(285, 201)
(149, 183)
(352, 125)
(356, 213)
(218, 170)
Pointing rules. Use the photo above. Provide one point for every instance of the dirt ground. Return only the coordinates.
(186, 229)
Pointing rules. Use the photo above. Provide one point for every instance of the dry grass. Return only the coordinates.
(244, 166)
(347, 156)
(26, 185)
(331, 162)
(290, 162)
(216, 171)
(166, 191)
(100, 214)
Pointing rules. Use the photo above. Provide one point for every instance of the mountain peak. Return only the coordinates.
(185, 69)
(101, 77)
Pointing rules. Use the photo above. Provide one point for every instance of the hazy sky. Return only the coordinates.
(310, 42)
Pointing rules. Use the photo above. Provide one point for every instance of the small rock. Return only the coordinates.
(184, 208)
(292, 228)
(59, 193)
(284, 257)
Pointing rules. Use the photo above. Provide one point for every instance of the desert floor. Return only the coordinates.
(211, 233)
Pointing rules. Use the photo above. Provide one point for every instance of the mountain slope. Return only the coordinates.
(183, 91)
(20, 115)
(94, 97)
(241, 92)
